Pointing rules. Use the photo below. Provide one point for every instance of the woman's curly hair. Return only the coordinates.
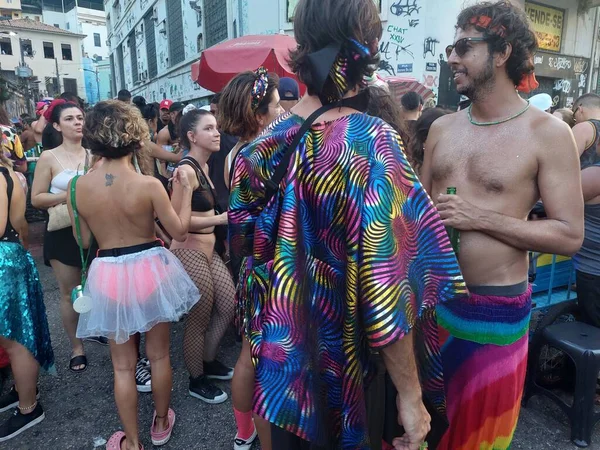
(516, 32)
(115, 129)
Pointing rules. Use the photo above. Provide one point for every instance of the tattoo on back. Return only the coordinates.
(109, 179)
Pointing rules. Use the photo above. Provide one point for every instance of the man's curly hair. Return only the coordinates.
(518, 34)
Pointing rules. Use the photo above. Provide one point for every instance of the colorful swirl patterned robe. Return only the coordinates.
(347, 257)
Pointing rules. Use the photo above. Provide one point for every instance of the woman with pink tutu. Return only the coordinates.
(134, 284)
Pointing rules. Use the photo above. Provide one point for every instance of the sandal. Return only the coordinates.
(115, 441)
(79, 360)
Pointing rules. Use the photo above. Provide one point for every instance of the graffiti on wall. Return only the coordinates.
(562, 86)
(403, 36)
(404, 8)
(429, 46)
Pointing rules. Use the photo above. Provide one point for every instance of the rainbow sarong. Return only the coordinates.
(484, 352)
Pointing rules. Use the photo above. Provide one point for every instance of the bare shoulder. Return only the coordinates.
(148, 182)
(583, 128)
(46, 156)
(548, 128)
(444, 124)
(164, 133)
(550, 137)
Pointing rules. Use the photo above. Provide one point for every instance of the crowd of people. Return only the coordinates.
(318, 225)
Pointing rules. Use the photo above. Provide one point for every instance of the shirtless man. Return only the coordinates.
(501, 156)
(27, 136)
(168, 135)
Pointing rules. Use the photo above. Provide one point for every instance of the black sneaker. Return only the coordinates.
(11, 400)
(217, 370)
(143, 379)
(17, 423)
(203, 389)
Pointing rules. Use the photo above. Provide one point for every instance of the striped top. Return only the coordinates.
(348, 255)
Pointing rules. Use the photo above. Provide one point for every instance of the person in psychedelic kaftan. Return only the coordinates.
(347, 256)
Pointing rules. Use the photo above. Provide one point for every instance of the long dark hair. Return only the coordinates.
(187, 123)
(236, 116)
(321, 23)
(51, 137)
(419, 134)
(382, 105)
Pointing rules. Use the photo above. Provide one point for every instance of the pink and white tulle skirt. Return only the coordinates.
(133, 289)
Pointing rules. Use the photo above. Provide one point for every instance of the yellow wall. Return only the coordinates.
(14, 4)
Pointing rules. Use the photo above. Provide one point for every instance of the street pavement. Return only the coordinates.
(81, 414)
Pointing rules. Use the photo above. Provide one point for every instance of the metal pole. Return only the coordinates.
(24, 80)
(97, 84)
(57, 76)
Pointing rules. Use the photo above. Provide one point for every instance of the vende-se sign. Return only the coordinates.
(548, 25)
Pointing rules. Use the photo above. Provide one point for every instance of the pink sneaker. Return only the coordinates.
(162, 437)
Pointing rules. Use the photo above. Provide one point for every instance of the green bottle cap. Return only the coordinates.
(451, 191)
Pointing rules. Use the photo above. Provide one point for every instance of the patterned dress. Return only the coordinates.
(347, 257)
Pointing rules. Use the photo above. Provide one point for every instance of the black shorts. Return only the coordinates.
(282, 439)
(62, 246)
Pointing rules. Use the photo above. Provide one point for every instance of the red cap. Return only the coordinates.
(166, 104)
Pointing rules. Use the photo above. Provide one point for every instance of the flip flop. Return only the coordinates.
(115, 441)
(79, 360)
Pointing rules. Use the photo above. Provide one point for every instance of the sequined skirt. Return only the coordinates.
(22, 311)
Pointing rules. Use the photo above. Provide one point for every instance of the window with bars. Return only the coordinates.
(175, 32)
(52, 86)
(150, 45)
(5, 46)
(97, 41)
(133, 53)
(70, 85)
(67, 54)
(48, 50)
(215, 23)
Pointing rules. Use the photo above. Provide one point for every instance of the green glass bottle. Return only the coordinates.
(453, 234)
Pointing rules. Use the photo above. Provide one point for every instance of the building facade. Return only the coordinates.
(154, 42)
(83, 17)
(42, 59)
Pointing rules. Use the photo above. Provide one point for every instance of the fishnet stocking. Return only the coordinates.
(223, 308)
(217, 301)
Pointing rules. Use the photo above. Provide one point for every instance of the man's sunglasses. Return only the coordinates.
(461, 47)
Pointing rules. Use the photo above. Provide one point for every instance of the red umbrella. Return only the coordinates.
(220, 63)
(401, 85)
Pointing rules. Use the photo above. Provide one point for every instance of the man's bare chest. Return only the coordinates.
(494, 164)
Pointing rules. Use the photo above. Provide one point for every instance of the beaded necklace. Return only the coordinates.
(495, 122)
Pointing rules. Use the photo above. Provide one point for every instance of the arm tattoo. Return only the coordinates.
(109, 179)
